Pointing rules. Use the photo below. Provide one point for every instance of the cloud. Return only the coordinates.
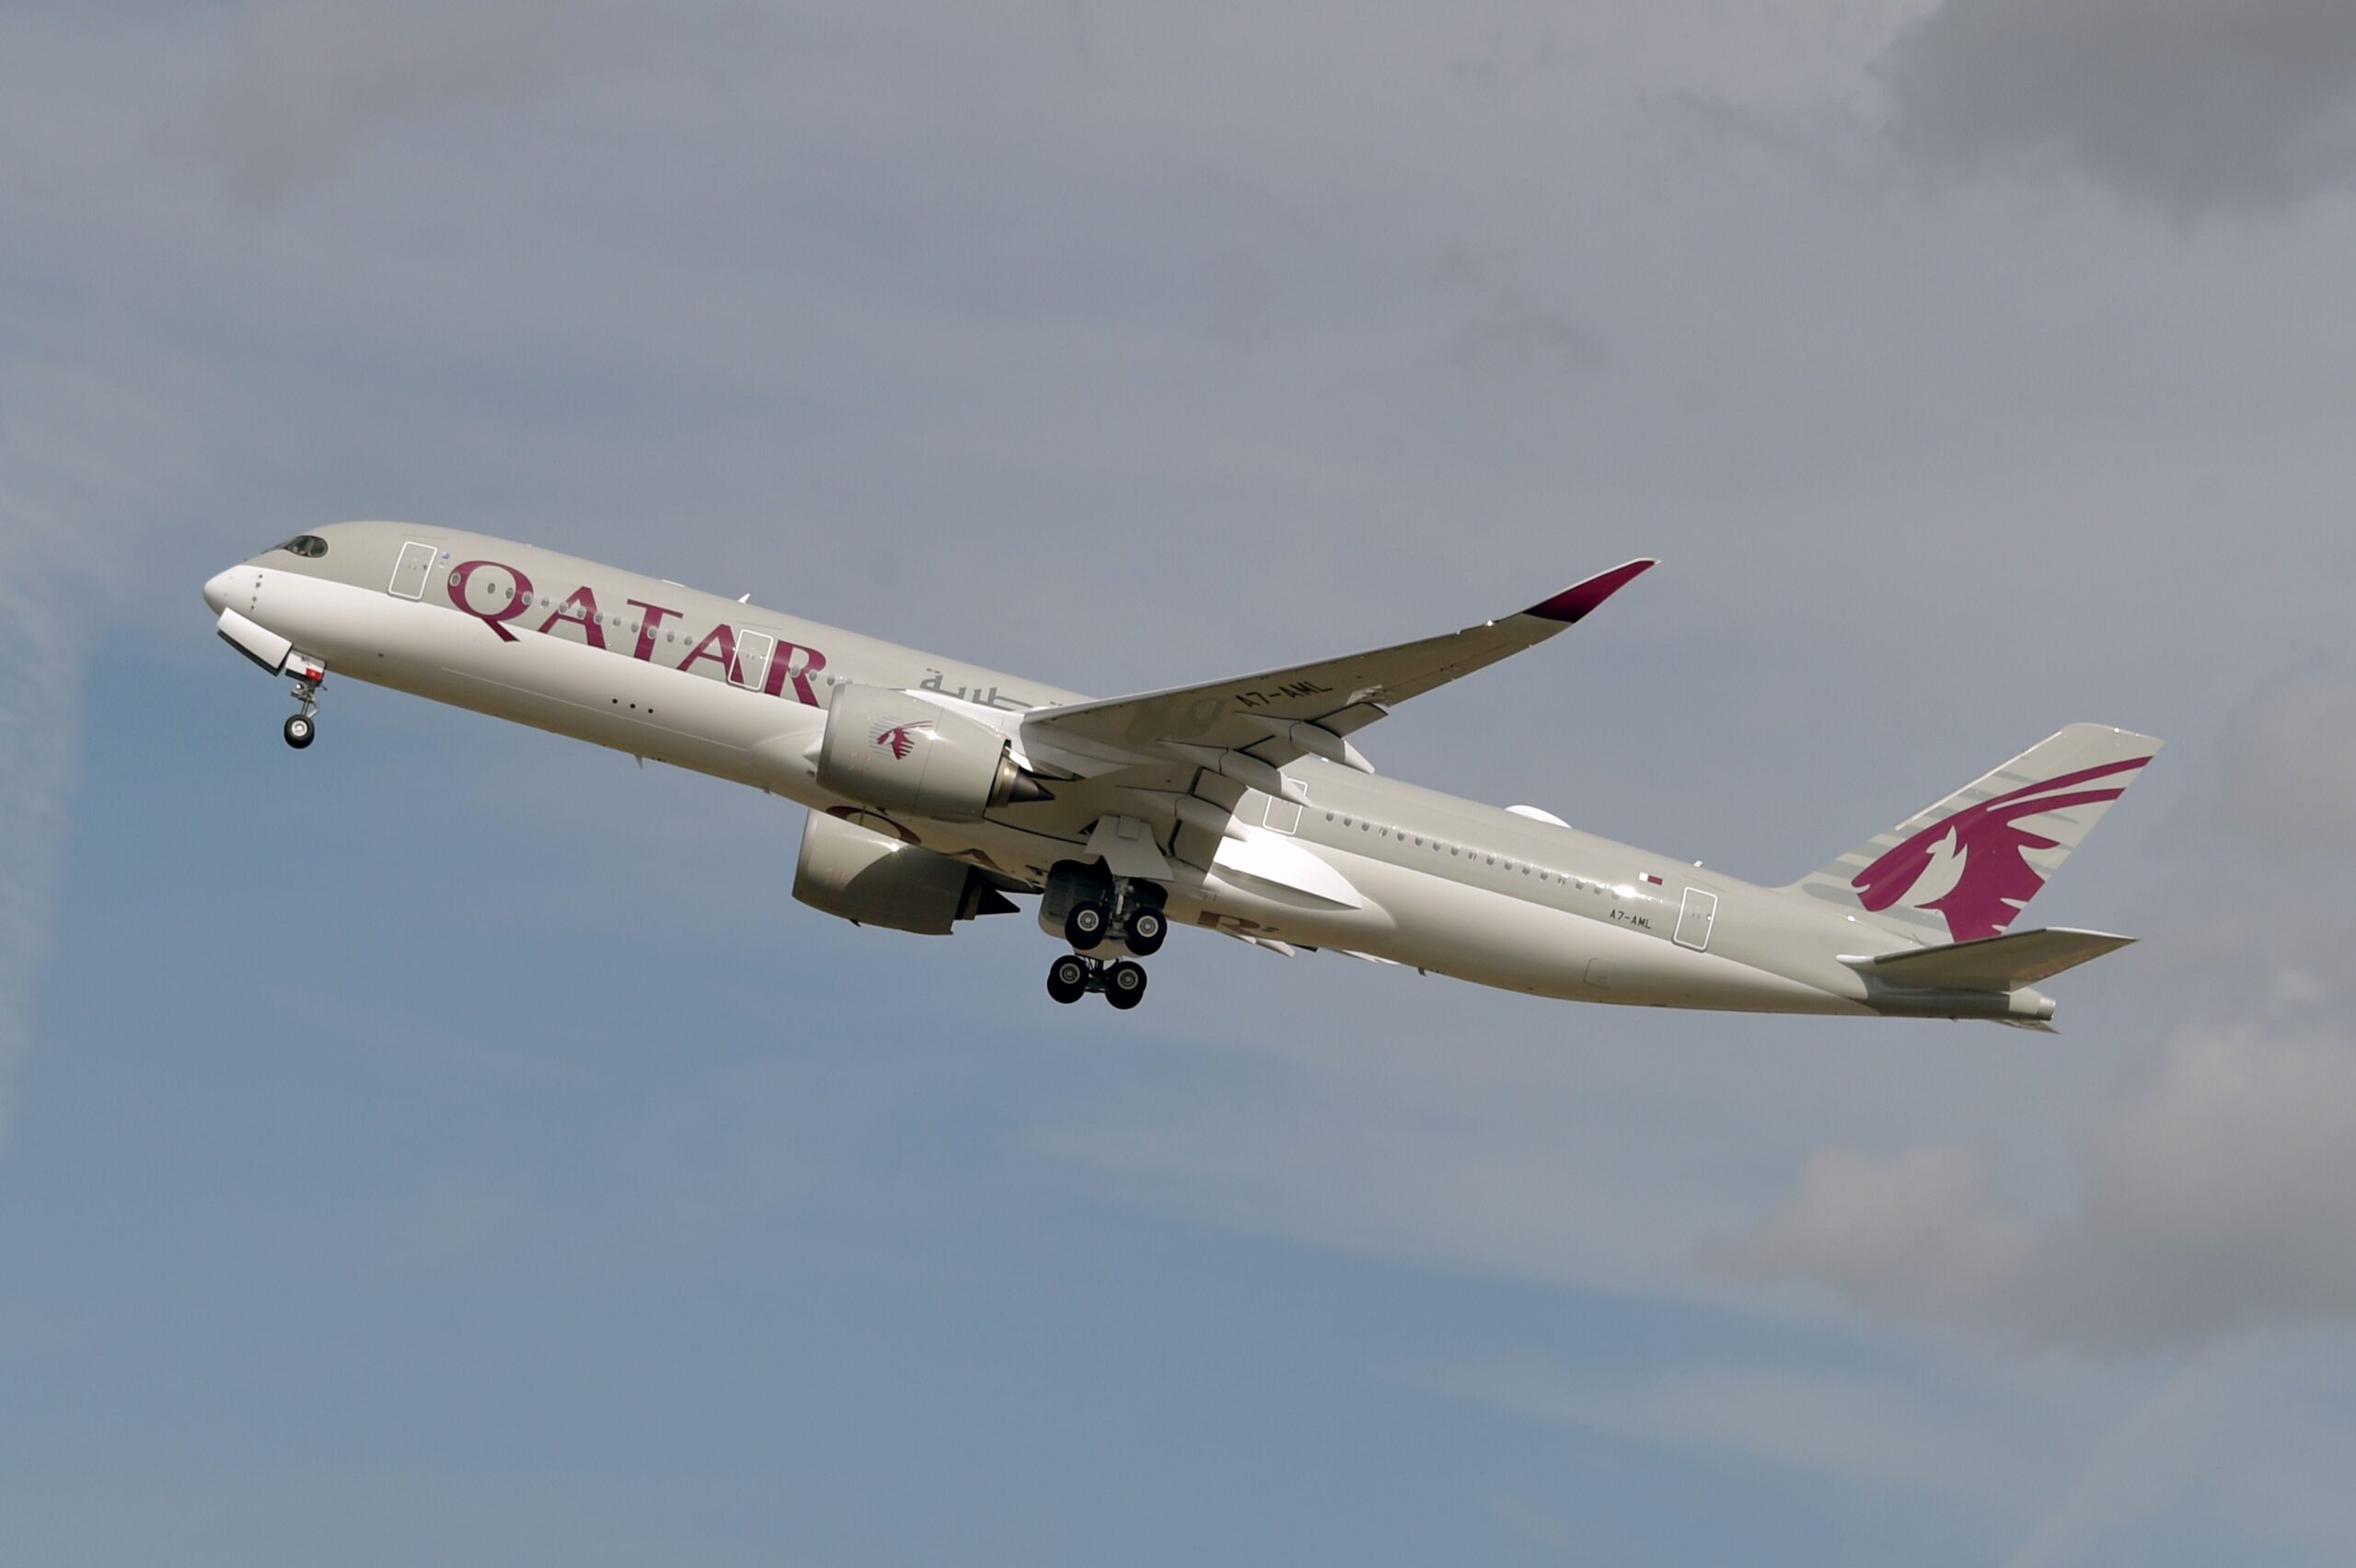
(312, 82)
(37, 726)
(2239, 1453)
(2196, 107)
(457, 1218)
(1910, 1234)
(2292, 762)
(1832, 1423)
(1507, 330)
(2215, 1197)
(2216, 1205)
(67, 507)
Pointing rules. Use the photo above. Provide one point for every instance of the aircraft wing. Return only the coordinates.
(1275, 716)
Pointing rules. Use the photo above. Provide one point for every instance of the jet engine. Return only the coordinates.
(871, 880)
(898, 751)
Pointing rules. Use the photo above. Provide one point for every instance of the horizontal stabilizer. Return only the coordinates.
(1991, 963)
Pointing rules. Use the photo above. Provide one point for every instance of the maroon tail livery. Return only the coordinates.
(1971, 862)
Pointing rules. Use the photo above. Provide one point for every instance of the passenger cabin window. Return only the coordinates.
(310, 547)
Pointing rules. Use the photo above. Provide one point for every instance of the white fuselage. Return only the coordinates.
(1367, 865)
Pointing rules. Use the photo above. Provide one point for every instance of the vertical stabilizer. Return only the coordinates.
(1962, 870)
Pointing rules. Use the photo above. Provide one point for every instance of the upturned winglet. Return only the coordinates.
(1575, 603)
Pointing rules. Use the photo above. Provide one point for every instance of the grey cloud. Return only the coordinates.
(1508, 330)
(1908, 1235)
(2195, 106)
(1514, 332)
(66, 511)
(2287, 775)
(1835, 1423)
(1241, 297)
(36, 708)
(2216, 1206)
(2215, 1201)
(312, 81)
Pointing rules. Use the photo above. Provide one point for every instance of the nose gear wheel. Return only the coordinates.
(303, 728)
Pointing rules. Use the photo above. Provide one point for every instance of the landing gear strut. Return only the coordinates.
(1141, 932)
(1111, 922)
(304, 727)
(1122, 982)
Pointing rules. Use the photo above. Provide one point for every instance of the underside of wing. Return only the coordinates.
(1275, 716)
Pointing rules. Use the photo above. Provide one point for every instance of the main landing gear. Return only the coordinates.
(1111, 923)
(1071, 978)
(1141, 933)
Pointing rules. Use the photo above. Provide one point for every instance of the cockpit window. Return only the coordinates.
(309, 546)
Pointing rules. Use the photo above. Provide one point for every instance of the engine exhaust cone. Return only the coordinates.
(1025, 789)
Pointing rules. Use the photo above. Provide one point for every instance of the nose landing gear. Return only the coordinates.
(304, 727)
(1122, 982)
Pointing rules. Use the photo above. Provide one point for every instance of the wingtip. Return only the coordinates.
(1575, 603)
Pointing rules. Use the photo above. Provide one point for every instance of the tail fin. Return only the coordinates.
(1961, 869)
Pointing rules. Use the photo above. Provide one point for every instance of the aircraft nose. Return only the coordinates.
(217, 589)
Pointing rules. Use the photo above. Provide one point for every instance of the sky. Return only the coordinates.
(452, 1144)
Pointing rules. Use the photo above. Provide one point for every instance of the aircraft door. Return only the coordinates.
(754, 650)
(410, 573)
(1699, 913)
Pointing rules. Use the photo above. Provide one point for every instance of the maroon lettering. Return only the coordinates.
(506, 607)
(720, 647)
(782, 669)
(654, 617)
(582, 611)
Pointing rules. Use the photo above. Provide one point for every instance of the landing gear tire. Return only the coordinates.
(1147, 928)
(1068, 979)
(1084, 927)
(1125, 985)
(300, 731)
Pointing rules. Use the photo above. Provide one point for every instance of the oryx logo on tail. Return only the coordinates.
(1981, 854)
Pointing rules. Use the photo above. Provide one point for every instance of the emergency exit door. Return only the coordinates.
(1695, 917)
(410, 572)
(754, 650)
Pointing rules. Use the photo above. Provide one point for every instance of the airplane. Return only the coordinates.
(939, 791)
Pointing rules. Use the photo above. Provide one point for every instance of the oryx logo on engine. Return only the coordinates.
(898, 740)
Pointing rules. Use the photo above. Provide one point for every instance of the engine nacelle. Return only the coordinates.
(872, 880)
(896, 751)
